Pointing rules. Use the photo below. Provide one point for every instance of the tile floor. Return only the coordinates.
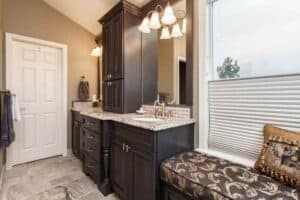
(58, 178)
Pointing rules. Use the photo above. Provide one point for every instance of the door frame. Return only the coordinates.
(176, 76)
(9, 38)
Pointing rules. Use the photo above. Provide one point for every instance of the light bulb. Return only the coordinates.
(154, 21)
(183, 26)
(144, 27)
(96, 52)
(165, 34)
(168, 17)
(176, 32)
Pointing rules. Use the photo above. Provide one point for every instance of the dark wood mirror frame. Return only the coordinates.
(189, 43)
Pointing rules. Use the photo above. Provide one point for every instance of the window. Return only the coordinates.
(261, 35)
(258, 41)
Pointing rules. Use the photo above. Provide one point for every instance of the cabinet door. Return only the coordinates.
(107, 96)
(107, 51)
(117, 96)
(143, 176)
(76, 138)
(117, 34)
(120, 170)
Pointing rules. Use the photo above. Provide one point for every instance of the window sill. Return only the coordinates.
(225, 156)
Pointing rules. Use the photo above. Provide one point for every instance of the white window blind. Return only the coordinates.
(239, 109)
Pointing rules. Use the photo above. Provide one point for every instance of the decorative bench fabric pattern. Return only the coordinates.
(205, 177)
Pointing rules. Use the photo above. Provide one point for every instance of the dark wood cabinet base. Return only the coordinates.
(170, 193)
(136, 155)
(126, 159)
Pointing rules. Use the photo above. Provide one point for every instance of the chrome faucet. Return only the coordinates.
(158, 113)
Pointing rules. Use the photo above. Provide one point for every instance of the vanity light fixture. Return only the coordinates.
(97, 51)
(144, 27)
(155, 21)
(169, 21)
(165, 33)
(168, 18)
(176, 32)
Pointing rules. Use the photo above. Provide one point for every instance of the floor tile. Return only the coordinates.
(58, 178)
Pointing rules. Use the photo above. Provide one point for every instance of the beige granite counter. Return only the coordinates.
(131, 119)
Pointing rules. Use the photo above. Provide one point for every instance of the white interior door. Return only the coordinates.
(37, 82)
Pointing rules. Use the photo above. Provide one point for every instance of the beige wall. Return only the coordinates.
(165, 66)
(168, 53)
(36, 19)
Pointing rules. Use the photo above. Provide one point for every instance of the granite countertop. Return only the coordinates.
(130, 119)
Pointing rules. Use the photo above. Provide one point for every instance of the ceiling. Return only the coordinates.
(87, 13)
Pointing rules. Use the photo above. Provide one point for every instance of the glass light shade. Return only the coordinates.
(184, 26)
(165, 34)
(168, 17)
(144, 27)
(154, 21)
(176, 32)
(96, 52)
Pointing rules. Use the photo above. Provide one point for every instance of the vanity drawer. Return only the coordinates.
(136, 137)
(91, 167)
(92, 150)
(90, 137)
(92, 124)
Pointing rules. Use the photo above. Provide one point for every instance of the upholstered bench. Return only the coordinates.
(196, 176)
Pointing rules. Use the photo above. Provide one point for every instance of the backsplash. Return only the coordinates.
(85, 106)
(178, 112)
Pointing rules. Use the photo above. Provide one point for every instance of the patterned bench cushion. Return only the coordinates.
(205, 177)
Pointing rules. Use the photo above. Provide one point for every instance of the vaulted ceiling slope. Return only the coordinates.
(87, 12)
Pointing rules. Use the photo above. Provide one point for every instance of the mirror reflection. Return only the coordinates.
(171, 55)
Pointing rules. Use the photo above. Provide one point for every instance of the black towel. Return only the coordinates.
(7, 134)
(83, 93)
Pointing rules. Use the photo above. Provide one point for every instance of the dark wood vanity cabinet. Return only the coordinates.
(136, 155)
(122, 60)
(76, 139)
(95, 151)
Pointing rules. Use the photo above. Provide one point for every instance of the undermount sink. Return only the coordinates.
(148, 119)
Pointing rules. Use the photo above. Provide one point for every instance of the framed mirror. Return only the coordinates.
(173, 57)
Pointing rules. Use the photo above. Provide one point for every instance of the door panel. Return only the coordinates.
(37, 82)
(106, 51)
(142, 188)
(29, 80)
(117, 96)
(117, 68)
(107, 96)
(120, 175)
(29, 130)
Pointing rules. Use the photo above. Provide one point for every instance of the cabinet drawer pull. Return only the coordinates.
(123, 147)
(90, 150)
(90, 137)
(127, 148)
(90, 166)
(90, 124)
